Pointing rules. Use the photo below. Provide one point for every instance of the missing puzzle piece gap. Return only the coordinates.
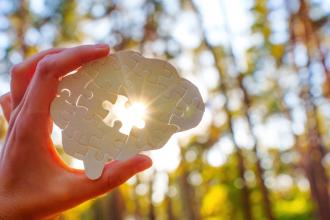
(131, 115)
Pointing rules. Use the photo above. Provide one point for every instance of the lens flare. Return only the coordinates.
(130, 115)
(136, 113)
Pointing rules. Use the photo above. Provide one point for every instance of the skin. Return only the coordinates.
(34, 181)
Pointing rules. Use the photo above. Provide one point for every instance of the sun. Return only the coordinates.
(131, 115)
(136, 113)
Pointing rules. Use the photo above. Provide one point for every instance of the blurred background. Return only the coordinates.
(263, 68)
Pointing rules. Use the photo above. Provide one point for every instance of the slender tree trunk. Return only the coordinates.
(169, 208)
(312, 38)
(21, 27)
(259, 169)
(245, 189)
(316, 151)
(137, 207)
(151, 213)
(313, 162)
(116, 209)
(245, 195)
(190, 203)
(169, 200)
(247, 105)
(97, 210)
(312, 156)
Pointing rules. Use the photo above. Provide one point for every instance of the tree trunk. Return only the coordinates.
(245, 195)
(314, 152)
(137, 206)
(151, 213)
(312, 38)
(116, 206)
(246, 109)
(169, 208)
(259, 169)
(190, 203)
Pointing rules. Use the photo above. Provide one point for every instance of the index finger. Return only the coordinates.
(21, 74)
(44, 84)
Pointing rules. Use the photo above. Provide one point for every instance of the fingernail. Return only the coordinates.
(143, 164)
(102, 46)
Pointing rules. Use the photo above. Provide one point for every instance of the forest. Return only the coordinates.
(262, 150)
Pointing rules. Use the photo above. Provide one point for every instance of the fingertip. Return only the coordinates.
(103, 46)
(142, 162)
(104, 49)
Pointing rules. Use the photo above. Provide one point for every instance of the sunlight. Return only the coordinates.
(131, 115)
(134, 114)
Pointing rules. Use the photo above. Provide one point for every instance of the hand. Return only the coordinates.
(34, 181)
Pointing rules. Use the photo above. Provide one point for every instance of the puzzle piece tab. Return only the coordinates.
(75, 85)
(190, 109)
(94, 103)
(61, 110)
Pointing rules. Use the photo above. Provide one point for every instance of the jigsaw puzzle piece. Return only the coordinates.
(94, 104)
(102, 149)
(110, 76)
(144, 84)
(128, 60)
(189, 111)
(112, 141)
(164, 106)
(158, 133)
(136, 143)
(75, 84)
(158, 80)
(78, 132)
(134, 83)
(164, 74)
(61, 110)
(134, 72)
(73, 147)
(91, 68)
(151, 137)
(94, 164)
(127, 153)
(79, 122)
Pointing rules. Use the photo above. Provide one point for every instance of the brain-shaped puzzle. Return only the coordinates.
(89, 96)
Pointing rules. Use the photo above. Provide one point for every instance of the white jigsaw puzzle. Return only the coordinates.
(96, 125)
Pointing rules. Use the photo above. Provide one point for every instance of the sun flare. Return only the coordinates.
(130, 115)
(135, 114)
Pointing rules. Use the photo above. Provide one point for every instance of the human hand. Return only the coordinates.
(34, 182)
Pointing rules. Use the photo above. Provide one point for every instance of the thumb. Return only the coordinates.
(5, 103)
(115, 173)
